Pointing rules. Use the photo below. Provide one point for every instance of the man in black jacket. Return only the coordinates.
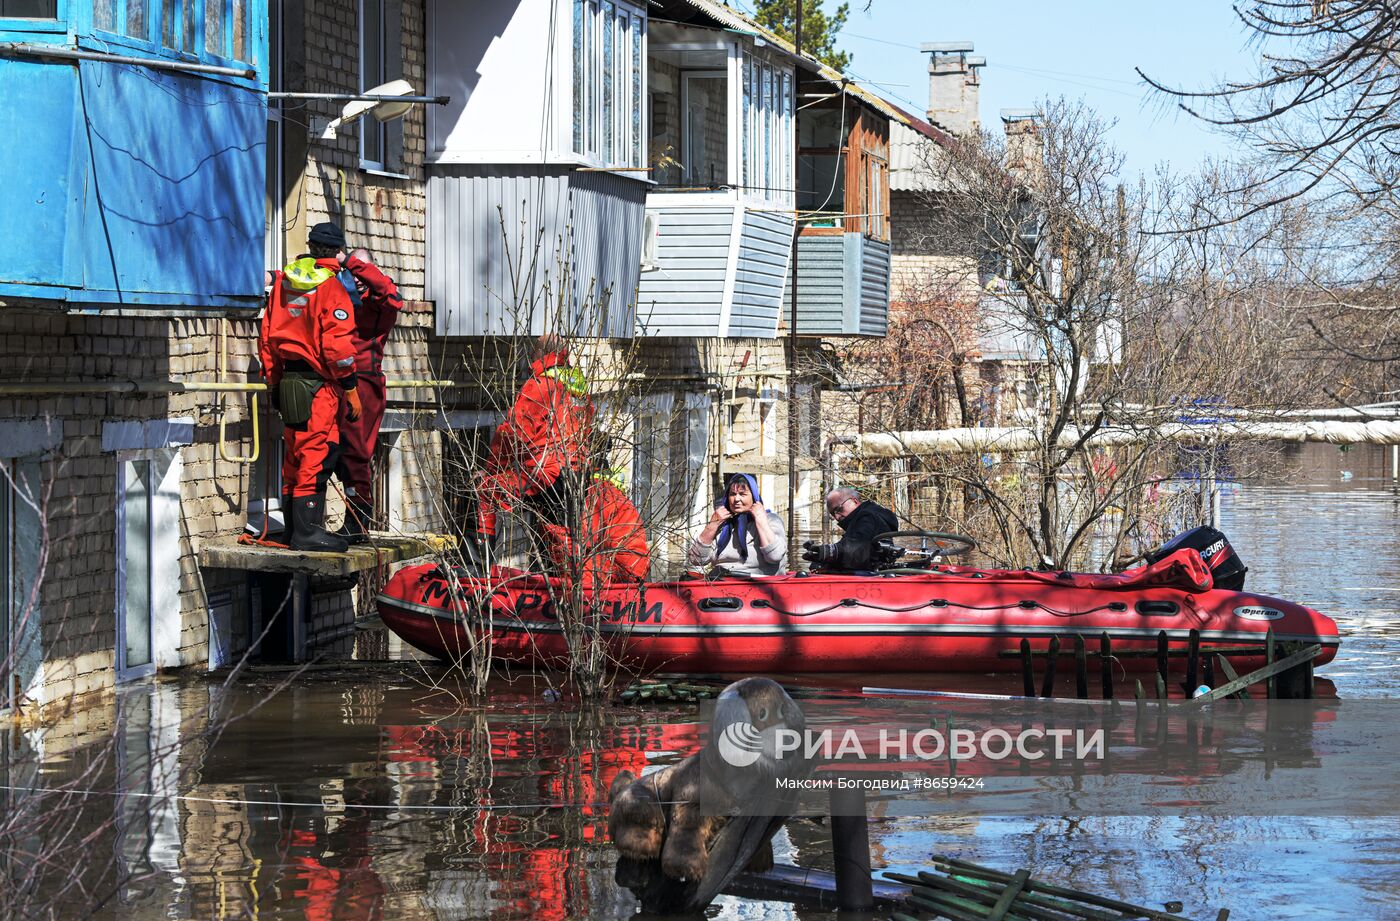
(860, 520)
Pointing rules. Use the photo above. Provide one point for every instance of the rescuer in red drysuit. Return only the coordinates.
(538, 455)
(308, 357)
(611, 544)
(377, 304)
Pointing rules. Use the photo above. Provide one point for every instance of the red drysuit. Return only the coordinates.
(611, 545)
(545, 434)
(308, 328)
(377, 307)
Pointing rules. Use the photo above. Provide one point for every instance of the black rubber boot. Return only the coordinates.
(286, 508)
(476, 552)
(358, 517)
(308, 526)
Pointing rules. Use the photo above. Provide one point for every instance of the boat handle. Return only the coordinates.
(724, 603)
(1157, 607)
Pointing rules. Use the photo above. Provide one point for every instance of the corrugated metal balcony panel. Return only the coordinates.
(842, 286)
(131, 186)
(874, 315)
(821, 286)
(761, 275)
(684, 294)
(503, 238)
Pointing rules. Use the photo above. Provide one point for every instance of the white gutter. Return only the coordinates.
(1014, 439)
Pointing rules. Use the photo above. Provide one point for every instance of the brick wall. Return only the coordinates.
(77, 609)
(385, 214)
(919, 267)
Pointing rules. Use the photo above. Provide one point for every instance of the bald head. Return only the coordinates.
(838, 501)
(363, 255)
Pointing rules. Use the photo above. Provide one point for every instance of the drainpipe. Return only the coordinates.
(794, 430)
(829, 476)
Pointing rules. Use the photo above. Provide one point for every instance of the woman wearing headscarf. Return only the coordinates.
(742, 536)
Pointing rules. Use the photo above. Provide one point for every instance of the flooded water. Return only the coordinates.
(369, 791)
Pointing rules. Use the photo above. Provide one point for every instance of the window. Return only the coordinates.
(608, 54)
(212, 30)
(381, 60)
(688, 95)
(706, 129)
(1011, 249)
(822, 162)
(148, 560)
(766, 130)
(28, 9)
(136, 544)
(669, 448)
(20, 538)
(876, 186)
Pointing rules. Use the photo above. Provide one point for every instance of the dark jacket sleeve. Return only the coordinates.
(867, 522)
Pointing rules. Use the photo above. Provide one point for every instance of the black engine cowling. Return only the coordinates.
(1226, 569)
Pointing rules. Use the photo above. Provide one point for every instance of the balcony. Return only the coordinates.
(843, 285)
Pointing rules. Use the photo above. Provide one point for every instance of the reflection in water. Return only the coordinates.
(366, 792)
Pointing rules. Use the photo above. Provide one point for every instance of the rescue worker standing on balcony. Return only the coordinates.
(539, 454)
(307, 350)
(377, 304)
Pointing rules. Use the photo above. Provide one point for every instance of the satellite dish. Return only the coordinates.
(385, 111)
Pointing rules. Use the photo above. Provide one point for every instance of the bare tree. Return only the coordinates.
(1321, 114)
(1124, 313)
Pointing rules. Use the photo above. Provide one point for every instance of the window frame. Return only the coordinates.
(367, 122)
(760, 139)
(92, 37)
(161, 463)
(29, 25)
(19, 636)
(123, 671)
(765, 128)
(8, 651)
(620, 25)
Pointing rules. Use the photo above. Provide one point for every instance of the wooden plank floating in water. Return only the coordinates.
(1302, 656)
(1228, 671)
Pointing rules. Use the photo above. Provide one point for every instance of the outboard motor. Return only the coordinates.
(1226, 570)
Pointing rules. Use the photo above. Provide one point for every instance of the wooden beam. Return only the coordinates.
(1306, 654)
(228, 553)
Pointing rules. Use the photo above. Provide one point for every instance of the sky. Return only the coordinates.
(1075, 48)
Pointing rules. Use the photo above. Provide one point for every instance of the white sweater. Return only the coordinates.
(762, 561)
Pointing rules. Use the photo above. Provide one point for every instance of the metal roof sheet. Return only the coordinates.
(733, 19)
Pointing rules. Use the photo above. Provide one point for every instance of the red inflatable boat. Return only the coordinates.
(938, 618)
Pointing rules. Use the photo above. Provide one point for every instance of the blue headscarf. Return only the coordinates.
(736, 527)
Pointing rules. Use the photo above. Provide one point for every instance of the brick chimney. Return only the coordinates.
(953, 82)
(1022, 127)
